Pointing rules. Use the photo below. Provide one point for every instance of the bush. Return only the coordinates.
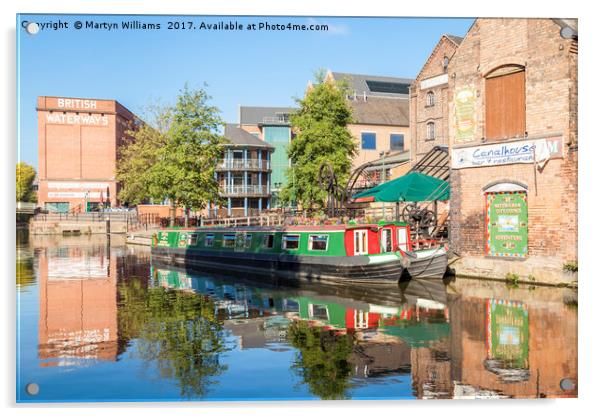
(570, 266)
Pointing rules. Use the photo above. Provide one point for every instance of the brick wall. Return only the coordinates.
(551, 109)
(420, 113)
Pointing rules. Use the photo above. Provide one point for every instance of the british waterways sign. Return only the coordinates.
(523, 151)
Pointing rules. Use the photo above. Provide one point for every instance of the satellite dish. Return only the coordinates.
(567, 33)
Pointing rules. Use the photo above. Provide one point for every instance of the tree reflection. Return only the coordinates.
(322, 360)
(176, 331)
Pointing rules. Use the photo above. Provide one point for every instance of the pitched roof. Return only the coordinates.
(456, 39)
(264, 115)
(380, 110)
(375, 85)
(239, 137)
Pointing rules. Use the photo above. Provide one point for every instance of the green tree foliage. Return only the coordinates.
(25, 177)
(176, 332)
(322, 360)
(175, 157)
(321, 136)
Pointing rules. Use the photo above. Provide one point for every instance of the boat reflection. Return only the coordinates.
(101, 301)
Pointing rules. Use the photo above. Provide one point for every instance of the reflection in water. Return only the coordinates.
(166, 334)
(25, 260)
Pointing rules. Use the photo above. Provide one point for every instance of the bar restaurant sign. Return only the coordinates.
(507, 224)
(523, 151)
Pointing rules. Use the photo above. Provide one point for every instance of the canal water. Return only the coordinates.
(98, 320)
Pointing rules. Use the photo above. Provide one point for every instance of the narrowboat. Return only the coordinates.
(352, 253)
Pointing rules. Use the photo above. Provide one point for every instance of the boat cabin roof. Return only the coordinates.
(289, 228)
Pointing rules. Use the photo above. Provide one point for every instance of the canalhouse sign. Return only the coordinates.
(433, 82)
(524, 151)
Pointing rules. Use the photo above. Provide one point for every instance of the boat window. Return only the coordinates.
(209, 240)
(268, 241)
(192, 239)
(360, 246)
(290, 242)
(318, 242)
(229, 240)
(386, 240)
(248, 240)
(318, 311)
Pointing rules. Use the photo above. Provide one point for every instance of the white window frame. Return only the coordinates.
(291, 235)
(428, 132)
(360, 232)
(193, 236)
(382, 241)
(402, 243)
(430, 99)
(309, 241)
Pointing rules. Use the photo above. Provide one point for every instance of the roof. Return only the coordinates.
(389, 162)
(379, 110)
(265, 115)
(374, 85)
(456, 39)
(239, 137)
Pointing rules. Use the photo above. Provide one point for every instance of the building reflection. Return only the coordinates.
(78, 306)
(512, 342)
(471, 339)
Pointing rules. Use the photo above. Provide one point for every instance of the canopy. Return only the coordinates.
(413, 187)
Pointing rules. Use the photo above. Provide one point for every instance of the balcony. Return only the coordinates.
(242, 191)
(241, 164)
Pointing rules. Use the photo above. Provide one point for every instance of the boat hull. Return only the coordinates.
(427, 264)
(386, 268)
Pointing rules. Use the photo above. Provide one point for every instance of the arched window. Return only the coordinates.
(430, 130)
(445, 63)
(430, 99)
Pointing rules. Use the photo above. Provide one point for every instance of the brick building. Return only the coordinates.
(513, 137)
(77, 152)
(429, 99)
(381, 124)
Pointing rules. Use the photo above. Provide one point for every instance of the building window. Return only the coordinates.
(430, 99)
(209, 240)
(430, 130)
(229, 240)
(268, 241)
(290, 242)
(505, 103)
(318, 242)
(368, 141)
(445, 63)
(397, 141)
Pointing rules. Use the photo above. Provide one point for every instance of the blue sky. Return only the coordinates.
(267, 68)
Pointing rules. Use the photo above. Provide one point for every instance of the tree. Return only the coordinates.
(322, 136)
(176, 156)
(25, 177)
(322, 359)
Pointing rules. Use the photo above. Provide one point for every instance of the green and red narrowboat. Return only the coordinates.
(358, 253)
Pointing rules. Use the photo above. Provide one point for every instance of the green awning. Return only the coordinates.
(413, 187)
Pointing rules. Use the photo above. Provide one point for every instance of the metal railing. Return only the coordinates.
(245, 190)
(231, 164)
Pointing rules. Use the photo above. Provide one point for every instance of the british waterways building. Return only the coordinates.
(514, 146)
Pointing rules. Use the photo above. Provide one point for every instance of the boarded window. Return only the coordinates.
(505, 104)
